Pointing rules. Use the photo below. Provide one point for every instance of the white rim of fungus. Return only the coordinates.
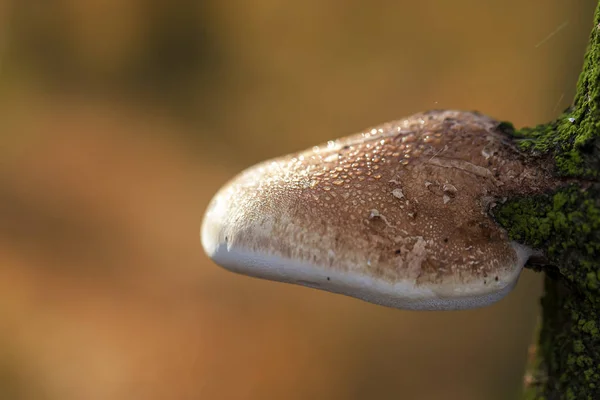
(402, 294)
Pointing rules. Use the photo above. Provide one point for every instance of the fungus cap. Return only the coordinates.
(397, 215)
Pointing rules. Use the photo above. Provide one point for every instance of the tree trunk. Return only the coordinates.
(565, 225)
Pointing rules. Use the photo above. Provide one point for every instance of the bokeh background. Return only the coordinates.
(120, 119)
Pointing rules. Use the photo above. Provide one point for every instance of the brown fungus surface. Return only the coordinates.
(396, 215)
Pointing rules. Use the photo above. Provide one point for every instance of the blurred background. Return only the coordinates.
(120, 119)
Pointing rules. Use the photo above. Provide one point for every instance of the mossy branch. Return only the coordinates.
(573, 137)
(565, 226)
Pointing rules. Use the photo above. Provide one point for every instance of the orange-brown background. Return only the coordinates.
(120, 119)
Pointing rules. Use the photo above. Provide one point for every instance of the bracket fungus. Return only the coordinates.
(398, 215)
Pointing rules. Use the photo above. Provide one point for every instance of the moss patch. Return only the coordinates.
(574, 137)
(566, 225)
(570, 352)
(573, 144)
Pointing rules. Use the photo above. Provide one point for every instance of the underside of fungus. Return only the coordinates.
(397, 215)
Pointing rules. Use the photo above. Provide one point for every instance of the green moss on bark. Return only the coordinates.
(565, 226)
(574, 137)
(569, 343)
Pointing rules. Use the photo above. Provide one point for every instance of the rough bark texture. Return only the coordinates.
(565, 224)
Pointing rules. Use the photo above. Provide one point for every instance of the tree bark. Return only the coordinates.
(565, 225)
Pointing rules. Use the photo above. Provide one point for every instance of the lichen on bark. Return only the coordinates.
(565, 226)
